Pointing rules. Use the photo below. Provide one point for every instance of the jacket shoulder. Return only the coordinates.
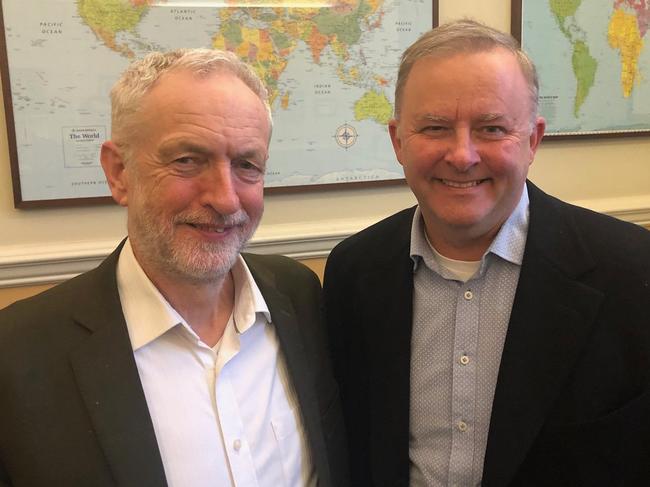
(606, 253)
(48, 303)
(608, 237)
(380, 240)
(45, 313)
(281, 267)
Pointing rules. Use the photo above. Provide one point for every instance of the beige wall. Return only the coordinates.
(11, 294)
(611, 175)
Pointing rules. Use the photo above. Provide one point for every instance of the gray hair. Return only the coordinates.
(141, 76)
(466, 36)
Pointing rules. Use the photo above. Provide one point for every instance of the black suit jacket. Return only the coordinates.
(72, 408)
(572, 400)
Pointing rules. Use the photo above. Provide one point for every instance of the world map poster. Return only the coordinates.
(329, 65)
(593, 59)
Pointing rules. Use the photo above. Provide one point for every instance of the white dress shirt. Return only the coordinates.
(223, 416)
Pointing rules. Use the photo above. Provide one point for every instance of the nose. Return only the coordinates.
(462, 153)
(218, 190)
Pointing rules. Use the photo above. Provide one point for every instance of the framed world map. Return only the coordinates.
(330, 67)
(593, 60)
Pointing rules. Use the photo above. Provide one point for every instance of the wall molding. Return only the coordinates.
(29, 265)
(45, 264)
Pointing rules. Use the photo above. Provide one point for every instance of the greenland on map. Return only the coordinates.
(593, 58)
(330, 67)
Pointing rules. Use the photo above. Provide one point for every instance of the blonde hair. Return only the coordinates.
(141, 76)
(465, 36)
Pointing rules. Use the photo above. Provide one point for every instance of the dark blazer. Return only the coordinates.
(72, 408)
(572, 400)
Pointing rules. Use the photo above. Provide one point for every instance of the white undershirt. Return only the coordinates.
(462, 270)
(226, 416)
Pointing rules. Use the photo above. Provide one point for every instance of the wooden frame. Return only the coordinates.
(20, 201)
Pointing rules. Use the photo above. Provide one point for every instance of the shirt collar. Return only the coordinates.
(248, 297)
(149, 315)
(509, 243)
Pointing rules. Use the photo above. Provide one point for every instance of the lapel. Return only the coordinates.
(286, 325)
(108, 381)
(551, 318)
(385, 296)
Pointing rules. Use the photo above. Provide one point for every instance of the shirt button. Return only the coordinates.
(468, 295)
(464, 359)
(236, 445)
(462, 426)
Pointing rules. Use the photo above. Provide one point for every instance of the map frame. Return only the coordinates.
(518, 32)
(15, 163)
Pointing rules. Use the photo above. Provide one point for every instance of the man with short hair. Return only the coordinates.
(178, 361)
(492, 335)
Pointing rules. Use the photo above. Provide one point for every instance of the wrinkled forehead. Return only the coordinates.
(182, 83)
(491, 75)
(188, 91)
(470, 60)
(472, 57)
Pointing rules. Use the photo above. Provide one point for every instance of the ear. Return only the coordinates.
(115, 171)
(395, 138)
(536, 136)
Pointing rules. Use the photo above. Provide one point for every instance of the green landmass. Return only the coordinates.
(266, 16)
(266, 71)
(584, 68)
(346, 27)
(280, 39)
(110, 16)
(583, 63)
(561, 9)
(373, 106)
(231, 31)
(564, 8)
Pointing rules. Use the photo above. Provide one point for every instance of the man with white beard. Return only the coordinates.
(178, 361)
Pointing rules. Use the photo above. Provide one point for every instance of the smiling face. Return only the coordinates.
(194, 189)
(466, 137)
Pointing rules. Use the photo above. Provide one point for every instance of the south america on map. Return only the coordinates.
(330, 69)
(593, 60)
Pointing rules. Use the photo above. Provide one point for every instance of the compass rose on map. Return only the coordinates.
(346, 135)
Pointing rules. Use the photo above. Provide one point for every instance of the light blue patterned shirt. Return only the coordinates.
(458, 334)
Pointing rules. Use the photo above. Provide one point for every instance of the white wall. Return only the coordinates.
(610, 175)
